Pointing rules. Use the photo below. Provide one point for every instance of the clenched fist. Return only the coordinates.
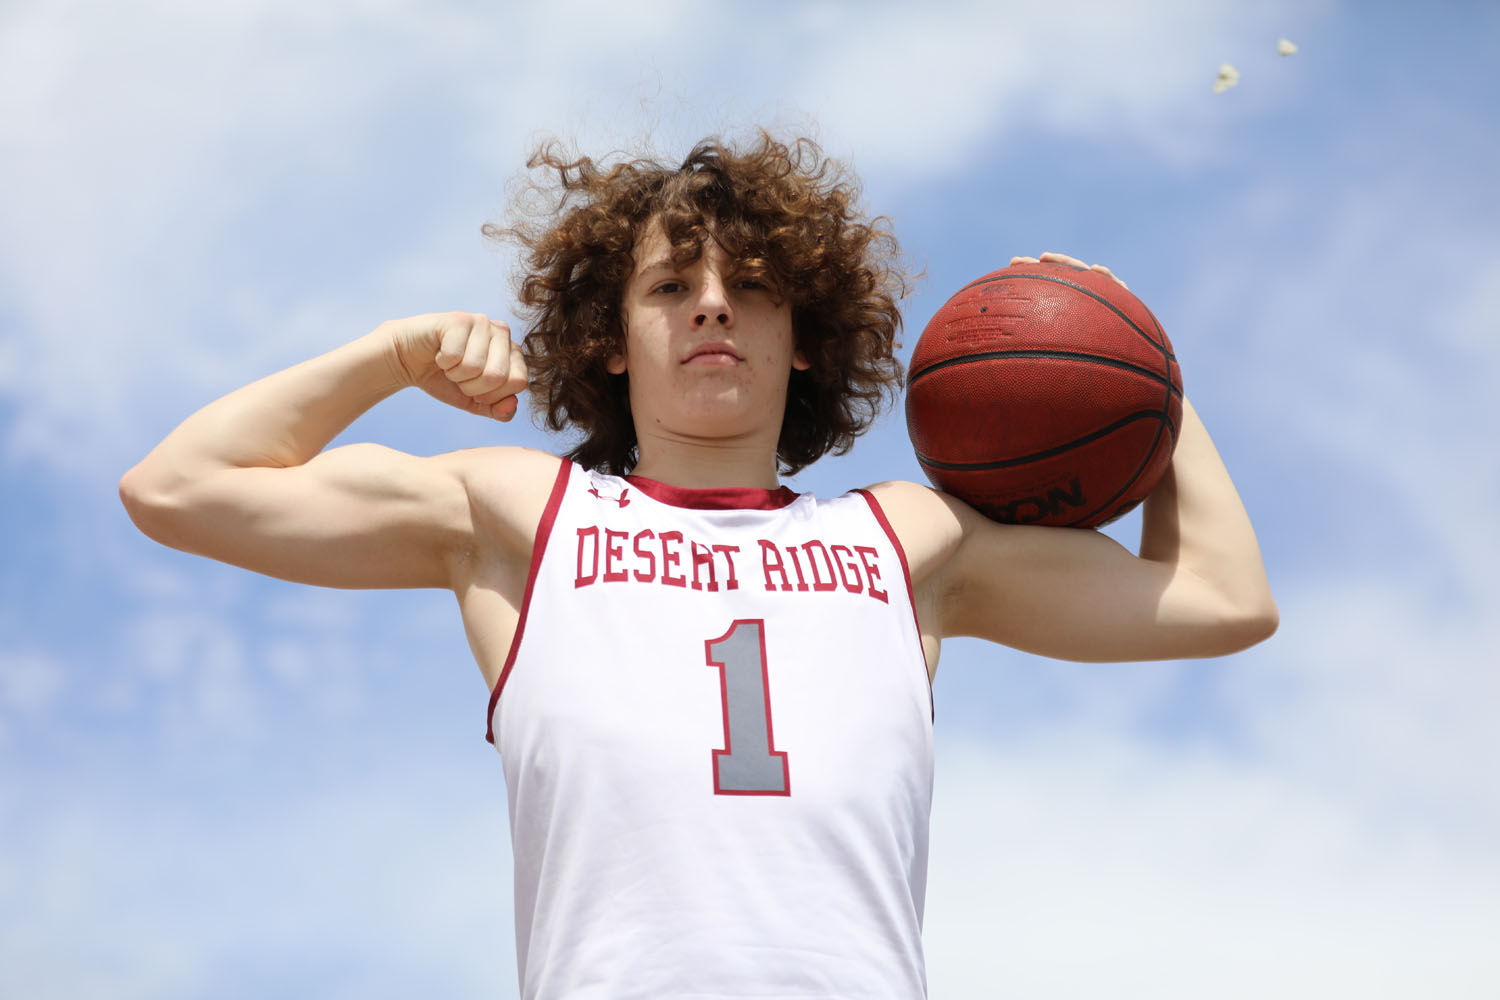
(466, 360)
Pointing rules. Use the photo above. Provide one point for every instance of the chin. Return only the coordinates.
(726, 417)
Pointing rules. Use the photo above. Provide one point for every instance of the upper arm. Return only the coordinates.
(1068, 593)
(357, 516)
(1077, 594)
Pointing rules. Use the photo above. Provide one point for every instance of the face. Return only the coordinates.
(709, 348)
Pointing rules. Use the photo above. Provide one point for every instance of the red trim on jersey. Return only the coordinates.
(911, 593)
(715, 498)
(538, 546)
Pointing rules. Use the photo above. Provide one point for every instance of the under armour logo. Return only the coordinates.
(623, 499)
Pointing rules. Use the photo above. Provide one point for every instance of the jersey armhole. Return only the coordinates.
(538, 548)
(911, 594)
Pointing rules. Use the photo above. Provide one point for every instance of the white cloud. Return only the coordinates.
(29, 681)
(1085, 865)
(357, 888)
(1326, 827)
(1382, 699)
(924, 93)
(1366, 351)
(1470, 322)
(204, 656)
(32, 682)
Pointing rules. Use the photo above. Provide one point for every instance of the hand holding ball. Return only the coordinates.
(1045, 393)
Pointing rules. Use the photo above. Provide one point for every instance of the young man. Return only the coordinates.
(711, 695)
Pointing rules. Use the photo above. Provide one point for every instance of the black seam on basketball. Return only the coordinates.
(1167, 403)
(1077, 287)
(1006, 463)
(1157, 323)
(1166, 424)
(1171, 429)
(1129, 483)
(1059, 355)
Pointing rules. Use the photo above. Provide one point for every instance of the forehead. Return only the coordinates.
(653, 250)
(650, 245)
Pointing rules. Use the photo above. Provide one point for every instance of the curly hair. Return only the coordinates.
(784, 210)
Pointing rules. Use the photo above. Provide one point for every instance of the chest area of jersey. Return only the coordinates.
(629, 556)
(704, 701)
(732, 653)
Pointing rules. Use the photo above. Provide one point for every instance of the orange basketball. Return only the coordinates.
(1044, 394)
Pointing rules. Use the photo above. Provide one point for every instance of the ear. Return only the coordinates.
(800, 362)
(616, 364)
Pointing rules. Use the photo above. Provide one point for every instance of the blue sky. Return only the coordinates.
(215, 784)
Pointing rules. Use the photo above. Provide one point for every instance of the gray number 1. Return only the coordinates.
(749, 764)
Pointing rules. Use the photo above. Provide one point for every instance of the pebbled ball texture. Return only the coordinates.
(1044, 394)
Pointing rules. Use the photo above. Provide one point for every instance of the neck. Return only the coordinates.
(707, 464)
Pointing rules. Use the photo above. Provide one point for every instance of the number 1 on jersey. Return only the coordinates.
(749, 764)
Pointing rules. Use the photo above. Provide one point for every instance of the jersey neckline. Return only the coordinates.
(714, 498)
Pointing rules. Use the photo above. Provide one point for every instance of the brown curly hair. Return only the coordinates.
(784, 210)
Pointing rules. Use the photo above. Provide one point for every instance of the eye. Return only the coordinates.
(668, 288)
(753, 283)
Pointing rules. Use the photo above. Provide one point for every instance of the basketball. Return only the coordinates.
(1044, 394)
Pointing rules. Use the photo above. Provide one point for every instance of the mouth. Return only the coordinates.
(713, 353)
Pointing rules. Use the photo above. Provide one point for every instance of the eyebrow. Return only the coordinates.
(664, 264)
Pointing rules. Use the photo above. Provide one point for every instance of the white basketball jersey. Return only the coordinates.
(716, 727)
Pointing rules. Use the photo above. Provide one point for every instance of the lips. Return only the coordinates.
(714, 350)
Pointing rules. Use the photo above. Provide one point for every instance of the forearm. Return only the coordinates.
(1195, 521)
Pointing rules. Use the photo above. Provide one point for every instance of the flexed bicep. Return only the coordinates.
(246, 480)
(357, 516)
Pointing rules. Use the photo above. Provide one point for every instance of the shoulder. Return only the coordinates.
(951, 547)
(508, 488)
(513, 464)
(929, 524)
(1072, 593)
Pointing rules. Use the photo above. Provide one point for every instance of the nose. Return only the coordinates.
(713, 302)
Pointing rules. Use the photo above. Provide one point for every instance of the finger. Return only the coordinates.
(475, 350)
(1109, 274)
(516, 380)
(520, 372)
(1022, 260)
(505, 409)
(497, 361)
(496, 369)
(1052, 257)
(500, 409)
(454, 329)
